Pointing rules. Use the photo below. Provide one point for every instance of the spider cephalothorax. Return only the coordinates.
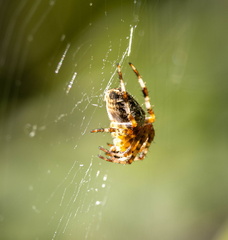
(131, 130)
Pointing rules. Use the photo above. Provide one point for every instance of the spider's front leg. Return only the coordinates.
(108, 130)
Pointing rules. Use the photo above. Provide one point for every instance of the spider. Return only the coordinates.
(131, 130)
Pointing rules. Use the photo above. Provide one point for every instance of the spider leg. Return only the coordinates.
(145, 94)
(114, 160)
(116, 157)
(134, 154)
(107, 152)
(145, 146)
(140, 144)
(143, 151)
(131, 151)
(114, 153)
(103, 130)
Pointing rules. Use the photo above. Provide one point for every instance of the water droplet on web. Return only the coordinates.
(105, 177)
(98, 203)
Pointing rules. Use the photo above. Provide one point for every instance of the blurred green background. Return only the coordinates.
(52, 184)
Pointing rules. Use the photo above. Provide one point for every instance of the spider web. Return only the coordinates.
(57, 58)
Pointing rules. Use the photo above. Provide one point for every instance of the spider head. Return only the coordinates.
(117, 107)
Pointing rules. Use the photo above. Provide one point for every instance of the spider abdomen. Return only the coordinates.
(117, 107)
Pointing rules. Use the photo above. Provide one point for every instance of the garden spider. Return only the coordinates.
(132, 131)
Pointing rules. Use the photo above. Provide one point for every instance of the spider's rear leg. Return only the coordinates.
(127, 154)
(143, 152)
(138, 145)
(107, 152)
(144, 145)
(144, 148)
(115, 153)
(114, 160)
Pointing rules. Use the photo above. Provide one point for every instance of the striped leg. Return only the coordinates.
(145, 94)
(145, 146)
(114, 160)
(138, 147)
(115, 154)
(108, 130)
(143, 150)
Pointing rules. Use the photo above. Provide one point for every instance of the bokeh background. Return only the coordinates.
(56, 60)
